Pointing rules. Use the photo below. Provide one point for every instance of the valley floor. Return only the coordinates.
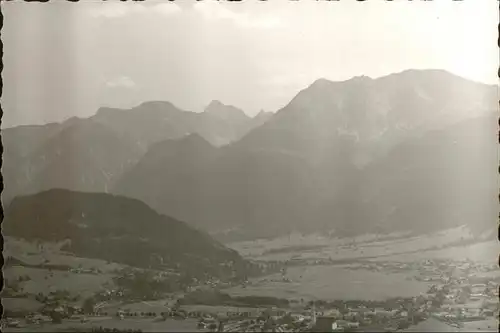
(145, 325)
(373, 283)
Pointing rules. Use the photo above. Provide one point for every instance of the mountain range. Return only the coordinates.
(414, 150)
(90, 154)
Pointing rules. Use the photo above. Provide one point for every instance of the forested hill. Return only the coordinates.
(119, 229)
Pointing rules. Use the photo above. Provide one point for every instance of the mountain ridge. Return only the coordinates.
(139, 127)
(303, 168)
(310, 165)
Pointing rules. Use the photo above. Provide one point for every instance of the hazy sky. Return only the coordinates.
(63, 59)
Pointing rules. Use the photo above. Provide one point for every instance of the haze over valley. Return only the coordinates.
(278, 168)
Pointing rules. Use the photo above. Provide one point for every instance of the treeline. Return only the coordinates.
(139, 283)
(216, 298)
(11, 261)
(296, 248)
(145, 284)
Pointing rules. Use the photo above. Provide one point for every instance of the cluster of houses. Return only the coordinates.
(257, 320)
(367, 319)
(81, 270)
(109, 294)
(467, 302)
(460, 294)
(427, 270)
(275, 320)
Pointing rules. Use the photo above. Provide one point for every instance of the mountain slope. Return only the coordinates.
(261, 117)
(156, 121)
(178, 177)
(228, 112)
(118, 229)
(88, 154)
(22, 140)
(444, 178)
(321, 161)
(375, 114)
(18, 143)
(345, 155)
(83, 156)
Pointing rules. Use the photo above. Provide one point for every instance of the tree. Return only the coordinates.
(56, 317)
(71, 311)
(88, 305)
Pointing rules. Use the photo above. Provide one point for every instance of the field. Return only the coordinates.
(50, 253)
(21, 304)
(44, 281)
(386, 247)
(490, 325)
(304, 282)
(146, 325)
(333, 282)
(481, 252)
(434, 325)
(220, 310)
(144, 306)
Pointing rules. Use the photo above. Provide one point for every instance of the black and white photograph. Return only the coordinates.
(250, 166)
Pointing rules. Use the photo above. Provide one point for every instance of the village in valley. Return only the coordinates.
(459, 295)
(250, 166)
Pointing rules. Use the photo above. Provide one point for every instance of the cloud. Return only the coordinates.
(167, 8)
(261, 23)
(117, 10)
(216, 11)
(121, 82)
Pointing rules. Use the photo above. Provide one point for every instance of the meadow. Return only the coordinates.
(45, 281)
(51, 253)
(337, 282)
(434, 325)
(333, 282)
(397, 247)
(307, 282)
(157, 306)
(146, 325)
(21, 304)
(486, 252)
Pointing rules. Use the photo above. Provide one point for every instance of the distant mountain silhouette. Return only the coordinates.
(442, 179)
(315, 164)
(227, 112)
(118, 229)
(18, 143)
(179, 174)
(372, 114)
(156, 121)
(88, 154)
(82, 155)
